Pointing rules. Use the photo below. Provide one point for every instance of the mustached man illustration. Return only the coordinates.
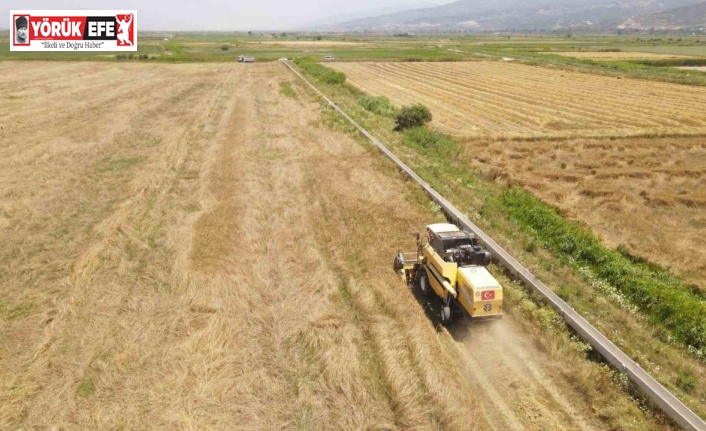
(21, 33)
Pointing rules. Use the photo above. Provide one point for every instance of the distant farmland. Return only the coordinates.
(507, 99)
(618, 55)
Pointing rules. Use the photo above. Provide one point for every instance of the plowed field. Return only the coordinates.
(508, 99)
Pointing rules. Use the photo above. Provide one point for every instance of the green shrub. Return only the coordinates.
(225, 47)
(412, 116)
(378, 105)
(319, 72)
(430, 142)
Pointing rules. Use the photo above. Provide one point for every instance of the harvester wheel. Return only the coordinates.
(445, 315)
(424, 286)
(398, 263)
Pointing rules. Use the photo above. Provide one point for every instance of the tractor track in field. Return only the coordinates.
(517, 386)
(513, 384)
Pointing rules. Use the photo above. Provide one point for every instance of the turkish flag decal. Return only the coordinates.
(487, 295)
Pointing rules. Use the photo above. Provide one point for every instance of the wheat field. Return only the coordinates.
(502, 99)
(186, 248)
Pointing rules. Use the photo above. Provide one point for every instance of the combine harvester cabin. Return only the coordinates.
(451, 264)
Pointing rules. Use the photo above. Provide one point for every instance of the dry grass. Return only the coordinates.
(648, 195)
(500, 99)
(166, 268)
(621, 55)
(197, 254)
(515, 381)
(97, 197)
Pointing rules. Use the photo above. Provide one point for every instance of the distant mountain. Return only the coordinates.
(333, 19)
(693, 16)
(499, 15)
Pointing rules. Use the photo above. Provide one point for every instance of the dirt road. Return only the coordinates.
(193, 250)
(515, 381)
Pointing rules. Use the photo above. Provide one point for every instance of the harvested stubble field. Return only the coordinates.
(496, 99)
(647, 195)
(183, 247)
(187, 248)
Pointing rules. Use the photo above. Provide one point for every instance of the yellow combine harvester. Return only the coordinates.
(452, 264)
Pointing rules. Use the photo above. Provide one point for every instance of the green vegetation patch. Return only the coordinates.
(430, 142)
(122, 163)
(286, 89)
(380, 105)
(174, 47)
(85, 387)
(673, 62)
(320, 72)
(686, 380)
(22, 309)
(659, 293)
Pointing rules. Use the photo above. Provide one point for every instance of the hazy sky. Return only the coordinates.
(218, 15)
